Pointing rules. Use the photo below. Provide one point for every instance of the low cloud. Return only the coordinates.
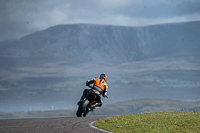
(21, 17)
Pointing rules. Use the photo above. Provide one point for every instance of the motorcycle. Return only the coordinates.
(84, 107)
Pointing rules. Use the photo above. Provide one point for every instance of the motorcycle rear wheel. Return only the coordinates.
(83, 108)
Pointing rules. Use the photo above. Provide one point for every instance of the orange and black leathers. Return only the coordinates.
(100, 87)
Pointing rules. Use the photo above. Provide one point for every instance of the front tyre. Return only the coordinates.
(83, 108)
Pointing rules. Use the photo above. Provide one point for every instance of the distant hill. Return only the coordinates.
(125, 107)
(111, 45)
(146, 106)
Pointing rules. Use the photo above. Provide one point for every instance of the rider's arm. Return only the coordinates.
(89, 82)
(105, 92)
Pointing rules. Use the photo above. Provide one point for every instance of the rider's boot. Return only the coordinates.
(95, 105)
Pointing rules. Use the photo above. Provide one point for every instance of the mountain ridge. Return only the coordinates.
(81, 43)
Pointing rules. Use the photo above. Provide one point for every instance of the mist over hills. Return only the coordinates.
(48, 69)
(111, 45)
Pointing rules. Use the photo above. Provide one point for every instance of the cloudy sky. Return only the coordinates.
(21, 17)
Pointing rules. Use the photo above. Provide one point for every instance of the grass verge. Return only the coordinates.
(157, 122)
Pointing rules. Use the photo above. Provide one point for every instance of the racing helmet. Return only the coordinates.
(103, 76)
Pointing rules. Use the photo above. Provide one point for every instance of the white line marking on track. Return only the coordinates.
(91, 125)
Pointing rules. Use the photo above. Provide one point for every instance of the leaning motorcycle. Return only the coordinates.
(84, 107)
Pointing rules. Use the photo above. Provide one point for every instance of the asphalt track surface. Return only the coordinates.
(50, 125)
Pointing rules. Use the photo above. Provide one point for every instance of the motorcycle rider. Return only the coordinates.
(99, 87)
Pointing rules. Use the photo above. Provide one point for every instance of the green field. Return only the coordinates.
(157, 122)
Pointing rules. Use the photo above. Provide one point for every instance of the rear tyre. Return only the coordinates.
(83, 108)
(79, 112)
